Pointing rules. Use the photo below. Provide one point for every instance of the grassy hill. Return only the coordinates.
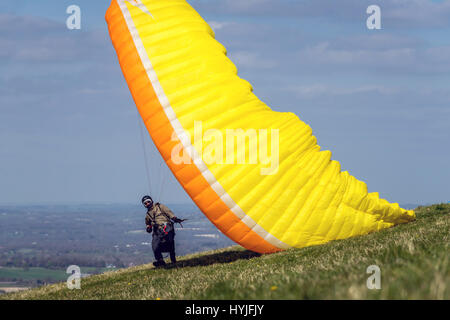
(413, 258)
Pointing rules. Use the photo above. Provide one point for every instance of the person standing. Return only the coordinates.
(160, 221)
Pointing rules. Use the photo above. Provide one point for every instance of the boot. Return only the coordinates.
(159, 263)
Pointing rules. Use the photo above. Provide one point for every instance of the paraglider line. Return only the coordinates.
(147, 170)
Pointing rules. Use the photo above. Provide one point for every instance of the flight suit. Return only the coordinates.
(159, 221)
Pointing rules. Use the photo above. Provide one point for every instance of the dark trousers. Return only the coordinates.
(163, 243)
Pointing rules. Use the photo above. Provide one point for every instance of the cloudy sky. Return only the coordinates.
(378, 99)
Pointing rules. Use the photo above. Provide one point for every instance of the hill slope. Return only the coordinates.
(413, 259)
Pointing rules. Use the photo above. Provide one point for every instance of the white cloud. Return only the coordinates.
(324, 53)
(320, 90)
(33, 39)
(383, 58)
(417, 13)
(218, 25)
(403, 13)
(252, 60)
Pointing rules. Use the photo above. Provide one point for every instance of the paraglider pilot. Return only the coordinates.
(160, 220)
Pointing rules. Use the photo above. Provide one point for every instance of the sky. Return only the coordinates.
(378, 99)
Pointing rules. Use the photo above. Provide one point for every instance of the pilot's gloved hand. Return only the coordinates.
(149, 229)
(176, 220)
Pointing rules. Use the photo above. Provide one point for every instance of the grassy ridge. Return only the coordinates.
(413, 259)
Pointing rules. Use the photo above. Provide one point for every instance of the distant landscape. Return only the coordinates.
(38, 243)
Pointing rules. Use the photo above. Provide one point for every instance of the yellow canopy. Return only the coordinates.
(258, 175)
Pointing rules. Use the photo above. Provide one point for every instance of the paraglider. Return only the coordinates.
(160, 220)
(180, 77)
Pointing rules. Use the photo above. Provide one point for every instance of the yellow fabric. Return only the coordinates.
(308, 200)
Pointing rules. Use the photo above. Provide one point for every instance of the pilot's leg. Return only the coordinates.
(156, 246)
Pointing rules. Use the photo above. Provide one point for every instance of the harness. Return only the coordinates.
(162, 227)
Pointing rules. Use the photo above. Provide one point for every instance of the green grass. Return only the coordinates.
(413, 259)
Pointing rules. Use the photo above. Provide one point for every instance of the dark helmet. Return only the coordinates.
(147, 198)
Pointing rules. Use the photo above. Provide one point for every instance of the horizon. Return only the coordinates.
(191, 205)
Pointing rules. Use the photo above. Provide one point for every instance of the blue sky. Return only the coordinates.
(378, 99)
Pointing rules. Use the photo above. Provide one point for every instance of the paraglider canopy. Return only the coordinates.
(181, 80)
